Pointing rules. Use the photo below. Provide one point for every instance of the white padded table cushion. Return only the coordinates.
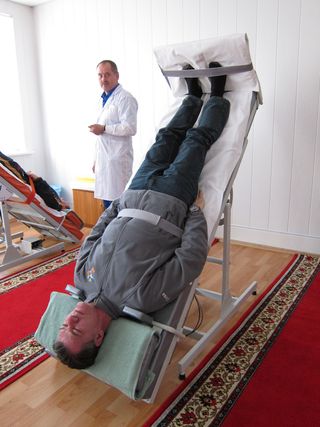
(225, 153)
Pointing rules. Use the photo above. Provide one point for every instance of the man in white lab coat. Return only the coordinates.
(116, 124)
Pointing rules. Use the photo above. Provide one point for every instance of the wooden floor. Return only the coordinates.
(54, 395)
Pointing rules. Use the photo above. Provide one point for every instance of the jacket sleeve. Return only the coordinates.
(127, 112)
(96, 233)
(185, 266)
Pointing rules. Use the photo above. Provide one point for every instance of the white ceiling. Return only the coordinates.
(30, 2)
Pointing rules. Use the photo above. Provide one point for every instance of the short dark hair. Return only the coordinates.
(112, 64)
(85, 358)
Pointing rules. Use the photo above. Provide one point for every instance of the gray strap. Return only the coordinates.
(208, 72)
(145, 318)
(152, 219)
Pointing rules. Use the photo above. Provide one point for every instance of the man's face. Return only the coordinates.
(108, 79)
(80, 327)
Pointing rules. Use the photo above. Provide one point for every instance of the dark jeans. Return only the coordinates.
(174, 162)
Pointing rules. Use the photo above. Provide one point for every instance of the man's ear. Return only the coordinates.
(99, 337)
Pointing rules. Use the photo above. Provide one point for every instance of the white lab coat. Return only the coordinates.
(114, 152)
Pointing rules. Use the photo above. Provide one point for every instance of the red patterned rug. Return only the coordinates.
(23, 299)
(265, 372)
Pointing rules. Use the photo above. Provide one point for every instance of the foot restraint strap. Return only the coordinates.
(208, 72)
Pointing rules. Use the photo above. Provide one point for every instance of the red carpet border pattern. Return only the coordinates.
(21, 278)
(15, 360)
(215, 385)
(27, 352)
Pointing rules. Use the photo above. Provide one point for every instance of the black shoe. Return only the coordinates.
(217, 82)
(193, 84)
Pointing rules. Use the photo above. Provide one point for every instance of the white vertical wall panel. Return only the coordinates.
(130, 67)
(284, 113)
(246, 23)
(104, 41)
(277, 197)
(145, 79)
(190, 19)
(174, 21)
(160, 12)
(306, 119)
(227, 16)
(262, 148)
(208, 17)
(117, 30)
(315, 200)
(91, 29)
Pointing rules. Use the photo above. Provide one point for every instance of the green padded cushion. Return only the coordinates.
(122, 354)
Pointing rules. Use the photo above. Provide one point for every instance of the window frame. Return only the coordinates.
(12, 130)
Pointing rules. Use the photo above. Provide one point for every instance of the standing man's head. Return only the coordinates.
(108, 75)
(81, 335)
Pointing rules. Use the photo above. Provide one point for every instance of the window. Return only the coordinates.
(12, 140)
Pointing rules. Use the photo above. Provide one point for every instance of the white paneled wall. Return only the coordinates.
(277, 191)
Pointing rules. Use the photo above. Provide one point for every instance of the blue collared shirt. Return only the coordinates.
(106, 96)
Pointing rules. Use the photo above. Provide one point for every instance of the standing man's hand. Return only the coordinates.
(97, 129)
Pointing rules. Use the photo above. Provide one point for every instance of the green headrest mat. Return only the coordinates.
(124, 353)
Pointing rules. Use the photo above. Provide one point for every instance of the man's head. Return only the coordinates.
(108, 75)
(81, 335)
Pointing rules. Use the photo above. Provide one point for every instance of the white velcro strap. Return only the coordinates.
(152, 219)
(140, 214)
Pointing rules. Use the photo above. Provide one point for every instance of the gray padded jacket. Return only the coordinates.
(131, 262)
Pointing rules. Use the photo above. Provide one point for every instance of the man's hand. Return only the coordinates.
(96, 129)
(199, 200)
(33, 175)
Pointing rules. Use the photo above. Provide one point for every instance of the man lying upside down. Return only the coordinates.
(130, 259)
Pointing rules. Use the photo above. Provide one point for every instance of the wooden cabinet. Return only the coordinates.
(86, 206)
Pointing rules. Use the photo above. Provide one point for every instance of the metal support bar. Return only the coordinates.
(12, 255)
(14, 236)
(226, 295)
(207, 337)
(6, 224)
(214, 260)
(229, 304)
(39, 225)
(19, 210)
(211, 294)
